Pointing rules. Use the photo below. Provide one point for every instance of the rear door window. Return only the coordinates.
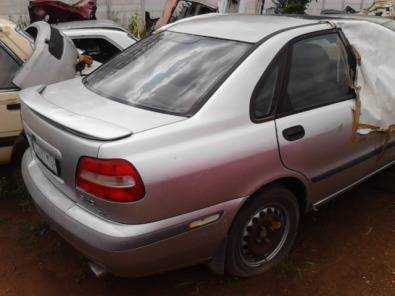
(168, 72)
(320, 73)
(265, 91)
(8, 68)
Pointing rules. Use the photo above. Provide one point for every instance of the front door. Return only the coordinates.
(315, 119)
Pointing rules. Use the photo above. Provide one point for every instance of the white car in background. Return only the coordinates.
(101, 40)
(41, 55)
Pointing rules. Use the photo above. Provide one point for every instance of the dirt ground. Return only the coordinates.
(346, 248)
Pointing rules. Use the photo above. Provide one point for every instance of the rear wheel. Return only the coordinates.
(263, 233)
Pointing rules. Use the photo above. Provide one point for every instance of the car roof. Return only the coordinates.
(383, 21)
(99, 24)
(239, 27)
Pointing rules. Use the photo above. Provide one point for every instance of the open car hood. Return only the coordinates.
(54, 58)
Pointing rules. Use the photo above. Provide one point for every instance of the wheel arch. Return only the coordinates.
(294, 184)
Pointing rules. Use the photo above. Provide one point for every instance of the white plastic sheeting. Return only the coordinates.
(375, 75)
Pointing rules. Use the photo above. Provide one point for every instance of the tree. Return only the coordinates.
(291, 6)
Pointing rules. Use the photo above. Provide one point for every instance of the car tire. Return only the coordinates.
(262, 233)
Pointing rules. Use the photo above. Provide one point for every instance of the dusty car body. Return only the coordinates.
(57, 11)
(24, 63)
(209, 154)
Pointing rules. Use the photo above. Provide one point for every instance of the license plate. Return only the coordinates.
(46, 158)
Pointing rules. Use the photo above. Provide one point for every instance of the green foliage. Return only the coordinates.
(113, 15)
(22, 21)
(12, 187)
(135, 27)
(291, 6)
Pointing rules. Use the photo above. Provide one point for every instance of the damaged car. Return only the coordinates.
(175, 10)
(207, 141)
(40, 54)
(55, 12)
(100, 40)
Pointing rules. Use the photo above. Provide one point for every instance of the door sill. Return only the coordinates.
(332, 196)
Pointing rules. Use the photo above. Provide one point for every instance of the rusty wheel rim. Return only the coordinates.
(264, 235)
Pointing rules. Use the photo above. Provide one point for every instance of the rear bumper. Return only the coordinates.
(130, 250)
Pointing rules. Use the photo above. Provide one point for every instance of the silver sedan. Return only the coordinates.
(202, 143)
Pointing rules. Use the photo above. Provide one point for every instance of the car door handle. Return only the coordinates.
(294, 133)
(14, 107)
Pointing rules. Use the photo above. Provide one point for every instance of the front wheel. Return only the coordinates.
(263, 232)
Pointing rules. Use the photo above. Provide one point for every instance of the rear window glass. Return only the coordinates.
(168, 72)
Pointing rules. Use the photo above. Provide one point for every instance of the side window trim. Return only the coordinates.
(286, 75)
(280, 59)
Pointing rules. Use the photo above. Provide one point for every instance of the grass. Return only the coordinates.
(289, 268)
(4, 221)
(26, 229)
(12, 187)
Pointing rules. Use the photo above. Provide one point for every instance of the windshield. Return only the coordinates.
(168, 72)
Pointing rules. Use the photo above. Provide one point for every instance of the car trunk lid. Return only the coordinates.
(83, 126)
(68, 121)
(75, 107)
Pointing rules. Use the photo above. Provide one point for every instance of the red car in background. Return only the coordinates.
(57, 11)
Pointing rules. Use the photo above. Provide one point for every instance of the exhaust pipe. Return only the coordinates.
(98, 270)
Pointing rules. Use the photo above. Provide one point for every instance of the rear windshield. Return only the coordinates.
(167, 72)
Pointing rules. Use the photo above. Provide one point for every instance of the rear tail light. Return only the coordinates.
(110, 179)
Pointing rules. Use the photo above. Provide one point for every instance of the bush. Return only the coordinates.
(134, 27)
(291, 6)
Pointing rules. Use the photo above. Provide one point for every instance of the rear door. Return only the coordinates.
(54, 58)
(315, 116)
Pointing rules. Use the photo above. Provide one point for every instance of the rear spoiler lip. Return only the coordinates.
(93, 129)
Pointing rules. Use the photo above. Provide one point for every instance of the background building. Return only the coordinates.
(119, 10)
(122, 10)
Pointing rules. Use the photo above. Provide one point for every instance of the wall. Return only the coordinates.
(121, 10)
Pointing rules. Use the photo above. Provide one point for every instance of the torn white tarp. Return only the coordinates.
(376, 74)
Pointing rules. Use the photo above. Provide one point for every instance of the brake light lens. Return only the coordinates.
(111, 179)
